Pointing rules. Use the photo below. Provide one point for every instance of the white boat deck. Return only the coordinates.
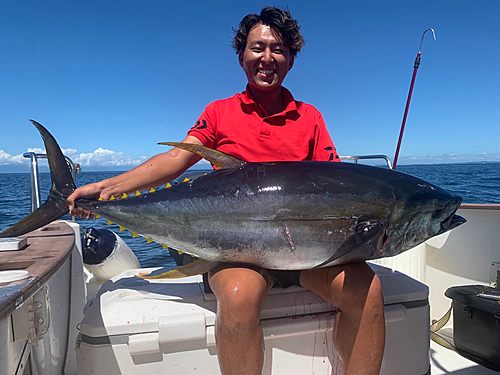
(445, 361)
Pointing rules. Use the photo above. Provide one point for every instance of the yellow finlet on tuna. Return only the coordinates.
(108, 222)
(121, 228)
(124, 196)
(137, 193)
(134, 235)
(152, 190)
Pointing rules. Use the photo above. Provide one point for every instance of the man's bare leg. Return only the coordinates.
(359, 332)
(241, 293)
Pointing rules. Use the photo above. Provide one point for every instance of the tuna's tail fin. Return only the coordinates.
(62, 186)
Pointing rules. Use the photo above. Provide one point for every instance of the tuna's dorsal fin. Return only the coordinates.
(219, 159)
(190, 269)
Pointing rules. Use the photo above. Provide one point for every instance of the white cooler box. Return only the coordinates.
(166, 327)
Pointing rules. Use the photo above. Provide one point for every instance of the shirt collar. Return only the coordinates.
(290, 104)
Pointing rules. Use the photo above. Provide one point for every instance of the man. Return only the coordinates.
(265, 123)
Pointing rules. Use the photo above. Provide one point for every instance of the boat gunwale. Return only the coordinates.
(45, 257)
(480, 206)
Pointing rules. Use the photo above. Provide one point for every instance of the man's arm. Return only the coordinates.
(154, 172)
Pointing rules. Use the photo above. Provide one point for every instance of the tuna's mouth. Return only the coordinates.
(448, 217)
(453, 222)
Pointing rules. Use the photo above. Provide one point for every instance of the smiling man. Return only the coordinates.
(265, 123)
(266, 61)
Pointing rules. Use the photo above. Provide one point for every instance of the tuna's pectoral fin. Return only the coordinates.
(366, 233)
(217, 158)
(195, 268)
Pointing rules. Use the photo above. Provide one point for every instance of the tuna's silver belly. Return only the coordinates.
(276, 234)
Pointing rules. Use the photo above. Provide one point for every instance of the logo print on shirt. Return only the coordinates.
(330, 148)
(199, 125)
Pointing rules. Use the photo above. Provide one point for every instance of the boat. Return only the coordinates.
(57, 317)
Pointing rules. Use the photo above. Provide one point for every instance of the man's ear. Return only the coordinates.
(240, 58)
(290, 64)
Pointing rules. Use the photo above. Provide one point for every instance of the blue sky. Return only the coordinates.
(110, 79)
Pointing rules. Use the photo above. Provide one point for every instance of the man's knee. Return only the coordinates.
(240, 292)
(239, 297)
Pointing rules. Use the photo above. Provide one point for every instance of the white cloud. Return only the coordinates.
(7, 159)
(36, 150)
(98, 158)
(69, 151)
(106, 158)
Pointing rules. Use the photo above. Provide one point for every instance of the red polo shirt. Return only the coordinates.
(239, 126)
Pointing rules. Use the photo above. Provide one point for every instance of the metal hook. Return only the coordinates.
(433, 34)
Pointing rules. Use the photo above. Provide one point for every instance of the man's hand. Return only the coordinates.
(90, 191)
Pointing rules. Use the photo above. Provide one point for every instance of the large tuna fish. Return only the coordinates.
(283, 215)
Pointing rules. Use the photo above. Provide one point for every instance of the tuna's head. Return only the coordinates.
(425, 212)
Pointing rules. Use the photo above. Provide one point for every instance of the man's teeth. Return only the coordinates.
(266, 71)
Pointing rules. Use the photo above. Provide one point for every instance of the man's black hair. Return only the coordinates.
(281, 22)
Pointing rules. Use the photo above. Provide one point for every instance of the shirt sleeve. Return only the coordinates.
(323, 148)
(204, 128)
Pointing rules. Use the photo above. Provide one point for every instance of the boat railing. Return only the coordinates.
(35, 176)
(365, 157)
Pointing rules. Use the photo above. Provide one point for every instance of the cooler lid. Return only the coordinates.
(478, 296)
(398, 287)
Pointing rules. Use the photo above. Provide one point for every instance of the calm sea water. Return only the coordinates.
(475, 183)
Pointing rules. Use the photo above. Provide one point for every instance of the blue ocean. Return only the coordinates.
(474, 182)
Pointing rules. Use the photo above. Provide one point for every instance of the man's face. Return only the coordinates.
(266, 60)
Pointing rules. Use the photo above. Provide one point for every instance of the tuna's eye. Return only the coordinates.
(365, 224)
(437, 214)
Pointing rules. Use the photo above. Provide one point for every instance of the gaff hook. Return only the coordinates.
(417, 59)
(433, 34)
(415, 66)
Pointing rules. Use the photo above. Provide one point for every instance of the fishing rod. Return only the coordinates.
(415, 68)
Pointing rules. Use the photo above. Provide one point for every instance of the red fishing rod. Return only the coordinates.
(415, 68)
